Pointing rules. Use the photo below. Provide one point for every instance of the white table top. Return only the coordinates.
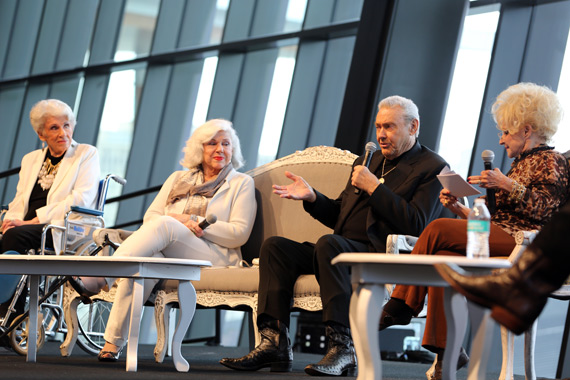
(107, 266)
(409, 269)
(428, 260)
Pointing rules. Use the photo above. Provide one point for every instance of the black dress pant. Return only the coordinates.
(282, 261)
(21, 239)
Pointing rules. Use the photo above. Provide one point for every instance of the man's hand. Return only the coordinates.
(363, 179)
(298, 190)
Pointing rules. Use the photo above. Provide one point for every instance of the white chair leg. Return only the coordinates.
(171, 330)
(508, 343)
(529, 345)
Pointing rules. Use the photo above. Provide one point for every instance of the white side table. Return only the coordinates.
(108, 266)
(370, 273)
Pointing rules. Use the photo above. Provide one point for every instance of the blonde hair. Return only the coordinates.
(50, 107)
(194, 149)
(528, 104)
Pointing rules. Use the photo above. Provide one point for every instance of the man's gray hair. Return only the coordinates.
(410, 109)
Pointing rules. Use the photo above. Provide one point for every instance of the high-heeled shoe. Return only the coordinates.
(395, 312)
(80, 288)
(109, 356)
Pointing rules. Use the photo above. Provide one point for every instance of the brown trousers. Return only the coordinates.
(444, 237)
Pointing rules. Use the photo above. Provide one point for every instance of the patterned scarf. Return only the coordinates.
(192, 185)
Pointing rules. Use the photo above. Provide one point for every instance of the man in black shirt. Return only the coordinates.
(398, 194)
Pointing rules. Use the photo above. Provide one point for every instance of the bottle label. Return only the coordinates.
(478, 226)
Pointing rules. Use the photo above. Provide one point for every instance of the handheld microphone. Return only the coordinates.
(488, 156)
(370, 148)
(210, 219)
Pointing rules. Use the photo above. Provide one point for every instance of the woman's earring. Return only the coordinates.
(43, 144)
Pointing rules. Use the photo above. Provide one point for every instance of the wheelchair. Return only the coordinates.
(76, 240)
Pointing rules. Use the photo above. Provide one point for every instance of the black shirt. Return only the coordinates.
(38, 197)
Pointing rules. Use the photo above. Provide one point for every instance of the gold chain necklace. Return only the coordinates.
(385, 174)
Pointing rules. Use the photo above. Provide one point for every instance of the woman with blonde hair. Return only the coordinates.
(526, 198)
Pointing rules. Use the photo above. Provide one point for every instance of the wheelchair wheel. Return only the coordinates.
(19, 336)
(92, 320)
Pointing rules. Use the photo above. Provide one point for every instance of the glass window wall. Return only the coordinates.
(468, 87)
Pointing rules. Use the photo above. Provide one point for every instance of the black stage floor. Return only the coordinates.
(203, 365)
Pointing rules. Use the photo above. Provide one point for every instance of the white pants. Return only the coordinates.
(161, 237)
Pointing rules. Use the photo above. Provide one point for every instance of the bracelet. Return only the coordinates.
(517, 192)
(194, 217)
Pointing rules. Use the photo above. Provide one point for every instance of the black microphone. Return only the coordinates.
(488, 156)
(210, 219)
(370, 148)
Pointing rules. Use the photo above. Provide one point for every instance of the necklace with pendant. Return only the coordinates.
(385, 174)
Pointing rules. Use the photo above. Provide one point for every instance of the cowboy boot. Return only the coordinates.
(340, 359)
(273, 351)
(516, 296)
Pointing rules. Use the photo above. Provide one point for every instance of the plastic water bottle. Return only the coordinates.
(478, 226)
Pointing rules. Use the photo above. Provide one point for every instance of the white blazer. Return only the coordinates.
(76, 183)
(233, 204)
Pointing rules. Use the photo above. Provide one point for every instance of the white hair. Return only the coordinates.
(410, 109)
(50, 107)
(194, 149)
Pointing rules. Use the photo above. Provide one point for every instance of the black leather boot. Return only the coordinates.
(273, 351)
(517, 295)
(340, 359)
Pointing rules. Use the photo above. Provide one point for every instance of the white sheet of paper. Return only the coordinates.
(456, 184)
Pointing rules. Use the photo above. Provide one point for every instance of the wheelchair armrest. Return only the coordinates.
(87, 211)
(396, 243)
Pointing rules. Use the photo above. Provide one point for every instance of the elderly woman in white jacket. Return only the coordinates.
(211, 185)
(52, 179)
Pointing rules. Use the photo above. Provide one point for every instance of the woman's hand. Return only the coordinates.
(298, 190)
(363, 179)
(182, 218)
(447, 199)
(491, 179)
(450, 202)
(194, 227)
(11, 223)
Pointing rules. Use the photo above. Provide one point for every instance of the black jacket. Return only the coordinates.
(405, 204)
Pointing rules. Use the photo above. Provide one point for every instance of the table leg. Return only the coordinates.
(187, 302)
(456, 317)
(482, 328)
(135, 323)
(365, 308)
(32, 327)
